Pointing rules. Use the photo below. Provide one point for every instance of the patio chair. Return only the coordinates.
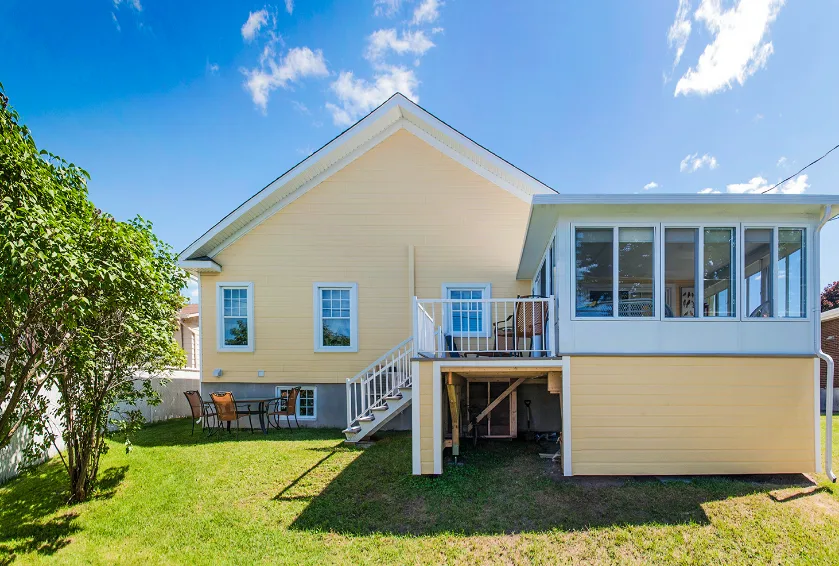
(290, 401)
(200, 410)
(527, 321)
(227, 411)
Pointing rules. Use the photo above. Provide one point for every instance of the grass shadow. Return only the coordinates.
(34, 515)
(503, 488)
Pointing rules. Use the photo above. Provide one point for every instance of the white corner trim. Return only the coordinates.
(817, 409)
(200, 342)
(416, 453)
(220, 346)
(316, 317)
(567, 470)
(437, 396)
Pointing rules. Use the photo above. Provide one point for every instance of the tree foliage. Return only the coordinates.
(43, 209)
(122, 343)
(830, 296)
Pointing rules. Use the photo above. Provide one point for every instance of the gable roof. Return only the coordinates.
(394, 114)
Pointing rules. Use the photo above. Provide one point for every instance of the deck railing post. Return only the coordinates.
(551, 326)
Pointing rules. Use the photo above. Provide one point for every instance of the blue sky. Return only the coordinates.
(182, 110)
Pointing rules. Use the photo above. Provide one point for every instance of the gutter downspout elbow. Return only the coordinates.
(828, 441)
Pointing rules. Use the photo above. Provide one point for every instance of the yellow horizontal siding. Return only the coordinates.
(428, 444)
(692, 415)
(356, 227)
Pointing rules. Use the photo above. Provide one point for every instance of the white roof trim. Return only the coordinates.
(727, 199)
(396, 113)
(830, 315)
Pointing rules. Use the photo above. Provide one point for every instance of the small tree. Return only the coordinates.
(43, 209)
(124, 341)
(830, 296)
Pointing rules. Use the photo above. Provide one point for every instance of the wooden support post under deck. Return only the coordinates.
(495, 403)
(454, 411)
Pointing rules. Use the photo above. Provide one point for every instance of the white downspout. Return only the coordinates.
(828, 441)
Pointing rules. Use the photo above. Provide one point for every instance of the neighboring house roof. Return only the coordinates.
(188, 311)
(832, 314)
(393, 115)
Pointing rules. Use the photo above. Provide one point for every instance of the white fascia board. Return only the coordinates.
(830, 315)
(396, 113)
(665, 199)
(199, 265)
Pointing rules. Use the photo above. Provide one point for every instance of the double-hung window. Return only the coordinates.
(336, 317)
(700, 267)
(306, 400)
(235, 317)
(774, 271)
(615, 272)
(468, 310)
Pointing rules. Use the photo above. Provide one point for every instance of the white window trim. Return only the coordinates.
(808, 308)
(318, 325)
(281, 388)
(220, 346)
(658, 296)
(487, 294)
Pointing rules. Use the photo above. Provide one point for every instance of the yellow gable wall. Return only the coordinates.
(356, 227)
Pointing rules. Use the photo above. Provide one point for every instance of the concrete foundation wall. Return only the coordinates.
(330, 409)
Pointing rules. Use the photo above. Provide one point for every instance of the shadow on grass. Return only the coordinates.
(290, 487)
(503, 488)
(176, 432)
(31, 517)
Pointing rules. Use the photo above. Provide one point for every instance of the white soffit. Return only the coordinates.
(396, 113)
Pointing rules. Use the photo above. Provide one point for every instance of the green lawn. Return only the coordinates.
(305, 498)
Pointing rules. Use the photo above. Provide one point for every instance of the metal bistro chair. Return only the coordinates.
(528, 320)
(227, 410)
(290, 409)
(200, 410)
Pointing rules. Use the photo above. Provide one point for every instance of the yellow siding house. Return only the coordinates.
(403, 276)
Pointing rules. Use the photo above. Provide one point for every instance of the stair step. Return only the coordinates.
(403, 388)
(382, 407)
(351, 430)
(367, 419)
(397, 397)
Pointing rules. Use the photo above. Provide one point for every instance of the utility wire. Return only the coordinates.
(800, 170)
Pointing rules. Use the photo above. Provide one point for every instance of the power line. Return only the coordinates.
(800, 171)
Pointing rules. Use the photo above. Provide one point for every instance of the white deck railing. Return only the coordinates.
(382, 379)
(485, 327)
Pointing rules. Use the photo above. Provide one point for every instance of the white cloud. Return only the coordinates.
(679, 32)
(650, 185)
(211, 68)
(300, 107)
(758, 185)
(384, 40)
(357, 96)
(254, 23)
(427, 12)
(133, 3)
(386, 8)
(738, 49)
(758, 117)
(709, 191)
(782, 162)
(289, 6)
(116, 21)
(695, 162)
(298, 63)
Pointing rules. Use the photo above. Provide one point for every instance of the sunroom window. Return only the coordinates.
(606, 272)
(775, 277)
